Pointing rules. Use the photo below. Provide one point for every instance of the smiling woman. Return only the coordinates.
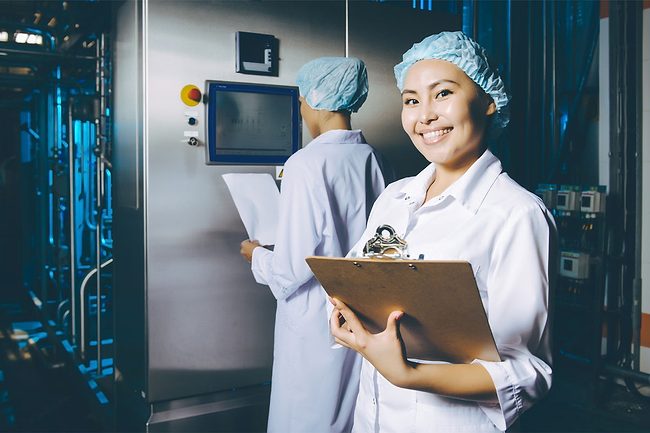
(461, 207)
(444, 113)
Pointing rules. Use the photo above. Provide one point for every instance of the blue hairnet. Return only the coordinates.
(334, 83)
(462, 51)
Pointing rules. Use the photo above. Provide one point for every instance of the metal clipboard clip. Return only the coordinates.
(385, 244)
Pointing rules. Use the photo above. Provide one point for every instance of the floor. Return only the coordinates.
(38, 391)
(577, 404)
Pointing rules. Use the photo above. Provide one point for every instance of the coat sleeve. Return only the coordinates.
(301, 222)
(518, 312)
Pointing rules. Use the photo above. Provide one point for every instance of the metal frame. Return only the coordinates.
(625, 165)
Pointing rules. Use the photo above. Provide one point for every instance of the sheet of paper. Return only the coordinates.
(256, 197)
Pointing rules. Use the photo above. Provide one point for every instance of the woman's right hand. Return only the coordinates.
(246, 249)
(383, 350)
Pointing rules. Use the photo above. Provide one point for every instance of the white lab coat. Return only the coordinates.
(327, 191)
(507, 235)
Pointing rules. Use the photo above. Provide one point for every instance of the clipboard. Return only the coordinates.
(444, 318)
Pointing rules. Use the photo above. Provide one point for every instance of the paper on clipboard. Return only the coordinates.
(444, 318)
(257, 200)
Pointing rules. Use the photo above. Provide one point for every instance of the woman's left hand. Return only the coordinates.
(383, 350)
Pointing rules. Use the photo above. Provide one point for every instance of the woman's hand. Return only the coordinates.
(246, 249)
(383, 350)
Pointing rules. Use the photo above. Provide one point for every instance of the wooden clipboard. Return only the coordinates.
(444, 318)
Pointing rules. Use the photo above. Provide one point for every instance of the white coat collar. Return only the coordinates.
(338, 136)
(470, 189)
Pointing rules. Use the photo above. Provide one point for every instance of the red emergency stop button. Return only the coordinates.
(191, 95)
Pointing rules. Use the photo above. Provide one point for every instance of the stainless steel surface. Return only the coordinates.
(60, 308)
(73, 238)
(65, 316)
(128, 218)
(98, 202)
(385, 244)
(183, 294)
(44, 120)
(625, 29)
(82, 307)
(200, 293)
(237, 410)
(637, 376)
(380, 116)
(98, 279)
(127, 102)
(347, 28)
(635, 16)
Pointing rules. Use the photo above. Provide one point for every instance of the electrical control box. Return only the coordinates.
(256, 54)
(574, 265)
(567, 198)
(592, 201)
(548, 193)
(581, 219)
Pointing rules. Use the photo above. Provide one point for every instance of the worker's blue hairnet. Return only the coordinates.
(334, 83)
(464, 52)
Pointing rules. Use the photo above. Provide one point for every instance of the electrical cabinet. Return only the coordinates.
(579, 213)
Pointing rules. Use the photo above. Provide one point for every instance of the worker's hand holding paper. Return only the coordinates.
(256, 197)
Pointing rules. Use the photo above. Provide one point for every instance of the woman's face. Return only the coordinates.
(445, 113)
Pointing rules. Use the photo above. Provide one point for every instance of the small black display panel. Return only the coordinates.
(252, 123)
(568, 265)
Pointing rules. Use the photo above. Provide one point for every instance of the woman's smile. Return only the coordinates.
(436, 135)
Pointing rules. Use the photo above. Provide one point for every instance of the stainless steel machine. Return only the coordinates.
(193, 331)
